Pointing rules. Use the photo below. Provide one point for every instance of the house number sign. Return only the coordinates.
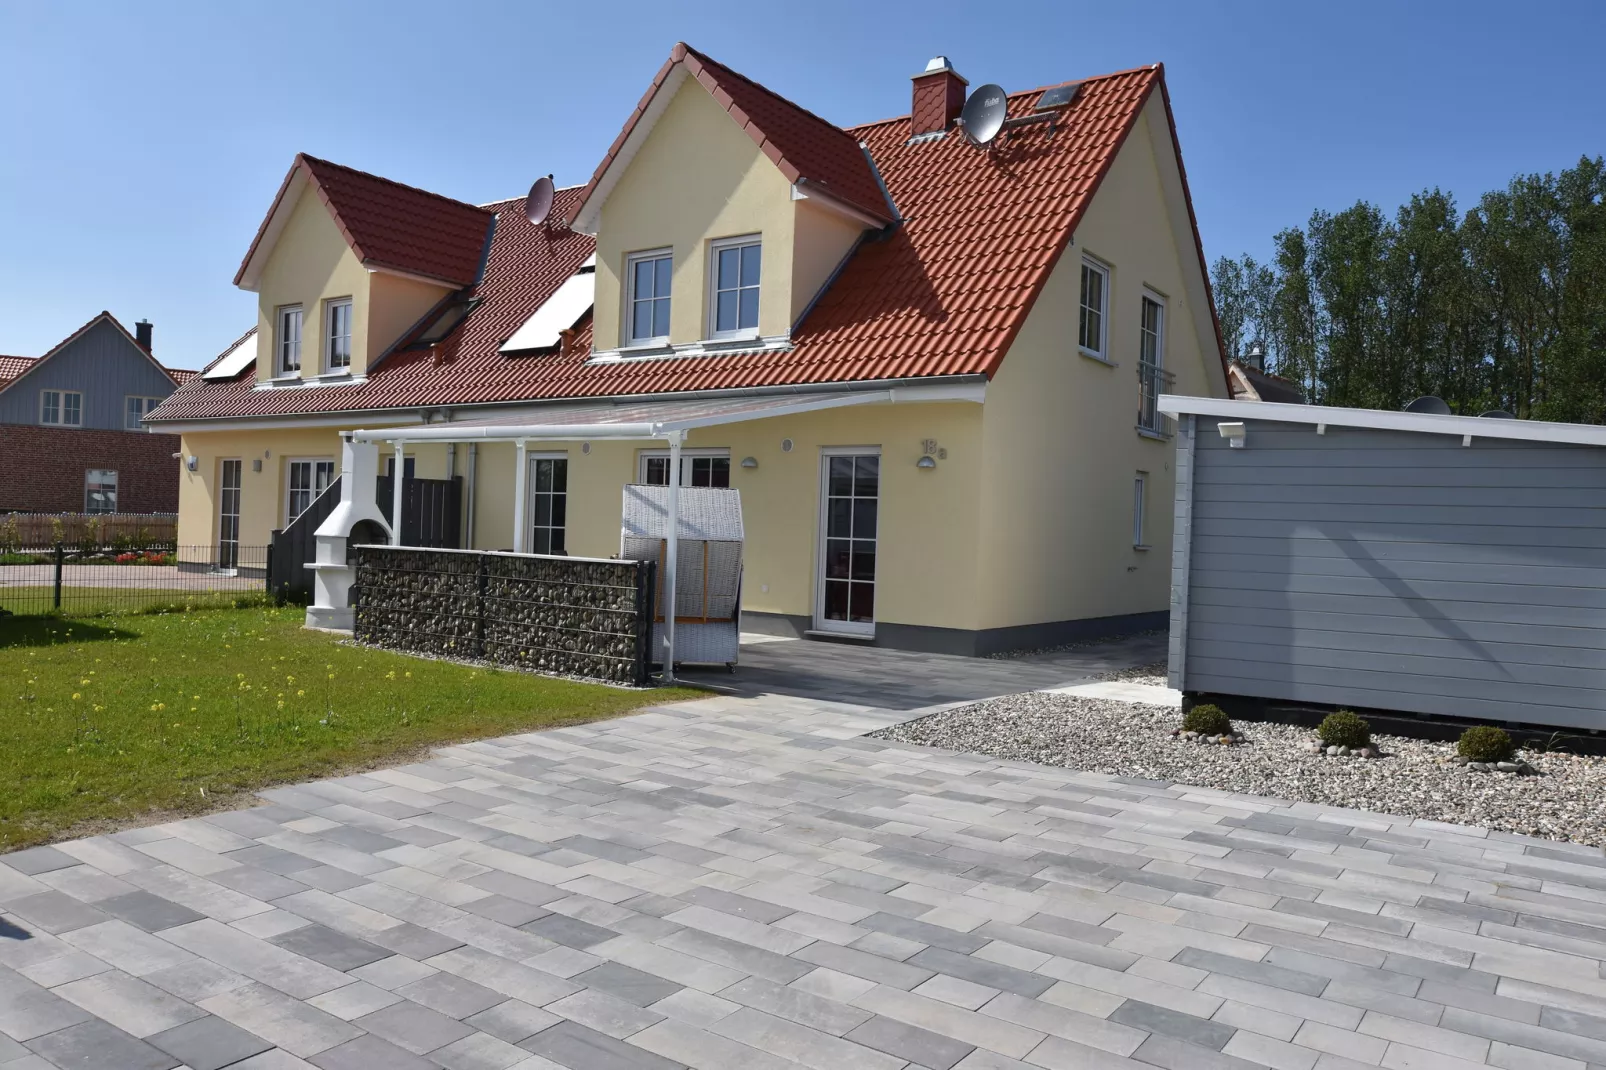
(929, 447)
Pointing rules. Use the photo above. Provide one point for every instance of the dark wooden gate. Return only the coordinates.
(289, 578)
(432, 511)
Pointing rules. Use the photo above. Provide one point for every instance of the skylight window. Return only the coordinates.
(445, 322)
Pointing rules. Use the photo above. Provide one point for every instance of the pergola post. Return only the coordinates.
(521, 490)
(397, 478)
(671, 550)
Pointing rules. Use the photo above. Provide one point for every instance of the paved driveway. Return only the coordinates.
(746, 883)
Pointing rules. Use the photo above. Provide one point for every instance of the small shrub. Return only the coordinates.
(1208, 720)
(1486, 743)
(1344, 729)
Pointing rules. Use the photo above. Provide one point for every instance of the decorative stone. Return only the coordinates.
(1508, 767)
(1332, 752)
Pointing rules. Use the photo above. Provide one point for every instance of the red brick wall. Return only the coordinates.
(42, 468)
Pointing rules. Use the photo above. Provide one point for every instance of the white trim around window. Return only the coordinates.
(1093, 310)
(304, 479)
(735, 266)
(649, 277)
(337, 334)
(61, 408)
(287, 341)
(134, 409)
(698, 467)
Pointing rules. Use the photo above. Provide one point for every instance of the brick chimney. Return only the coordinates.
(142, 334)
(939, 94)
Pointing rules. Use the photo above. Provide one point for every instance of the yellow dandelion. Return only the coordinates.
(76, 696)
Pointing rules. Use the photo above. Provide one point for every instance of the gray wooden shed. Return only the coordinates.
(1445, 565)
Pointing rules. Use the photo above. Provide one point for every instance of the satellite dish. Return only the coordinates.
(1497, 414)
(1429, 405)
(984, 114)
(538, 204)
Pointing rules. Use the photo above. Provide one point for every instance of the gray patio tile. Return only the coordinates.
(923, 932)
(1174, 1054)
(862, 964)
(39, 860)
(453, 996)
(370, 1053)
(414, 1027)
(981, 972)
(573, 1045)
(130, 1004)
(150, 912)
(1163, 1020)
(796, 1005)
(1264, 972)
(917, 1045)
(295, 1026)
(512, 1020)
(570, 932)
(98, 1046)
(334, 949)
(626, 982)
(208, 1043)
(54, 912)
(481, 1051)
(507, 911)
(799, 1043)
(28, 1011)
(596, 1009)
(415, 941)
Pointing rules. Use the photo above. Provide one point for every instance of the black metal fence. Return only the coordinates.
(562, 615)
(81, 582)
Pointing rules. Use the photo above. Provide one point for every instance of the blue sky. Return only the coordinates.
(141, 144)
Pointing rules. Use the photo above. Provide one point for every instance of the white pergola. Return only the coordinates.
(667, 421)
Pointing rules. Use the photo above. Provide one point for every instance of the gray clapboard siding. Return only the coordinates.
(102, 365)
(1395, 570)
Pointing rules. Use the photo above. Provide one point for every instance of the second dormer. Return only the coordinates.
(346, 263)
(721, 212)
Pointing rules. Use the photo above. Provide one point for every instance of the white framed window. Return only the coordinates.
(61, 408)
(1152, 376)
(647, 283)
(1092, 328)
(733, 281)
(288, 359)
(1140, 504)
(100, 490)
(698, 468)
(305, 479)
(134, 410)
(549, 502)
(337, 334)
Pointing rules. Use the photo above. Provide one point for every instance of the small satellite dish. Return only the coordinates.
(1430, 406)
(538, 204)
(984, 114)
(1497, 414)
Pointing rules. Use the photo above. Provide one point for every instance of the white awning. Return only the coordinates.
(634, 420)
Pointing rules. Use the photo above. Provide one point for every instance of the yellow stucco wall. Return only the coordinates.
(1059, 438)
(698, 178)
(310, 264)
(395, 303)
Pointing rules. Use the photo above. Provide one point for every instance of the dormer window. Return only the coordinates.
(288, 355)
(647, 302)
(733, 288)
(337, 334)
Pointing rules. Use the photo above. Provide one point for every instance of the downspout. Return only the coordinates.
(473, 472)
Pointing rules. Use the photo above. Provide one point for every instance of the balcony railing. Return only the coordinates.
(1153, 381)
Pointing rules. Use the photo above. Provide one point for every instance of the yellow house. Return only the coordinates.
(929, 365)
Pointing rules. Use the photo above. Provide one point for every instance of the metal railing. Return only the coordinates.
(96, 581)
(1153, 381)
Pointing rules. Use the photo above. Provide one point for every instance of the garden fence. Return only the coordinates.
(20, 532)
(570, 616)
(79, 582)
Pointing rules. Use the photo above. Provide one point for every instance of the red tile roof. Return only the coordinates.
(11, 367)
(805, 147)
(391, 225)
(943, 293)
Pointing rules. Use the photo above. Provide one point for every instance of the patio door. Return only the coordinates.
(228, 515)
(850, 484)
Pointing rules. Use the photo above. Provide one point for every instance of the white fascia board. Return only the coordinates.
(803, 191)
(589, 218)
(1384, 420)
(558, 313)
(276, 224)
(235, 361)
(223, 424)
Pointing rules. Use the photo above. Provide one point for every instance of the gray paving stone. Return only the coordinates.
(413, 1026)
(98, 1046)
(919, 1046)
(334, 949)
(796, 1005)
(370, 1053)
(39, 860)
(1163, 1020)
(415, 941)
(208, 1043)
(153, 913)
(981, 972)
(573, 1045)
(453, 996)
(923, 932)
(571, 932)
(629, 984)
(508, 911)
(512, 1020)
(1264, 972)
(54, 912)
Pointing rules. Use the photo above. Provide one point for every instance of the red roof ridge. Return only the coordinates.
(1018, 94)
(381, 178)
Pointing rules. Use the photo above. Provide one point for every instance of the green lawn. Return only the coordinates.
(107, 601)
(123, 719)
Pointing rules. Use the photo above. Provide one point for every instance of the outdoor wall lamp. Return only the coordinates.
(749, 462)
(1233, 433)
(191, 462)
(926, 462)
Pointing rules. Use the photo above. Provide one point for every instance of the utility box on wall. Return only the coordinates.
(1443, 565)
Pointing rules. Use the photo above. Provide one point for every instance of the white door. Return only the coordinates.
(850, 481)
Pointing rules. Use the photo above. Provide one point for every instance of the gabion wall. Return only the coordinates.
(551, 614)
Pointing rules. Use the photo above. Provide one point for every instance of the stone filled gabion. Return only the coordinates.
(551, 615)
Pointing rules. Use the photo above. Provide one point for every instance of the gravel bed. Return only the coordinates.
(1080, 644)
(1154, 675)
(1415, 778)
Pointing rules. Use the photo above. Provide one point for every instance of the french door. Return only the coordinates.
(850, 487)
(228, 515)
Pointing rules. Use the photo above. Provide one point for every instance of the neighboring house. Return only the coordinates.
(1250, 383)
(930, 368)
(72, 425)
(1452, 566)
